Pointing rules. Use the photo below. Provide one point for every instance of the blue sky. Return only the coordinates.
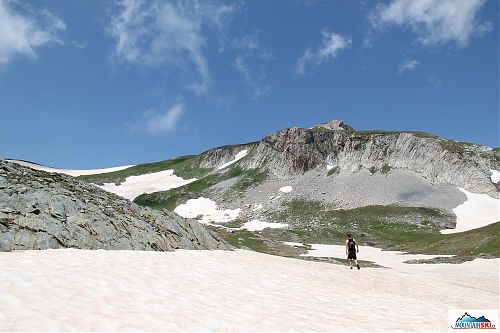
(87, 84)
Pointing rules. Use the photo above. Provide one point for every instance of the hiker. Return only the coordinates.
(351, 247)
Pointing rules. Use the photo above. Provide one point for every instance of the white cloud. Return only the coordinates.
(434, 22)
(250, 63)
(157, 33)
(434, 80)
(331, 44)
(22, 34)
(167, 121)
(408, 65)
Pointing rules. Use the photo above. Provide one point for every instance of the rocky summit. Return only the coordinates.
(336, 125)
(40, 210)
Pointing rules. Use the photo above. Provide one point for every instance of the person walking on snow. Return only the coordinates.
(351, 247)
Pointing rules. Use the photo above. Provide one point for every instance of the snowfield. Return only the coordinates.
(286, 189)
(389, 259)
(237, 157)
(74, 173)
(257, 225)
(82, 290)
(495, 176)
(478, 211)
(134, 186)
(207, 209)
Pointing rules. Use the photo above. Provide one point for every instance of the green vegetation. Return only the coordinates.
(234, 171)
(319, 129)
(386, 168)
(303, 211)
(496, 154)
(373, 170)
(243, 238)
(185, 167)
(455, 146)
(234, 223)
(416, 133)
(410, 229)
(376, 132)
(333, 171)
(473, 242)
(249, 178)
(387, 227)
(172, 198)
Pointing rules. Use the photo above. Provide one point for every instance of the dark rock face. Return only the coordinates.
(40, 210)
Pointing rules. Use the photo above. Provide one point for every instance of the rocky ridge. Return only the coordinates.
(290, 153)
(40, 210)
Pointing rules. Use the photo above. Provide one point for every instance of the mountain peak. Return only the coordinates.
(335, 125)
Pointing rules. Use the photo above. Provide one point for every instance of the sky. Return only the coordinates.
(90, 84)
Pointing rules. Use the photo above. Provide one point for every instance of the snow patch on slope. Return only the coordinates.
(294, 244)
(237, 157)
(257, 206)
(208, 211)
(286, 189)
(495, 176)
(478, 211)
(74, 173)
(134, 186)
(257, 225)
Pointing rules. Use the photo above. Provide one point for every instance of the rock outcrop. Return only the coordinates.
(40, 210)
(336, 125)
(292, 152)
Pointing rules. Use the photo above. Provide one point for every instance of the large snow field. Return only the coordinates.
(82, 290)
(207, 209)
(74, 173)
(478, 211)
(134, 186)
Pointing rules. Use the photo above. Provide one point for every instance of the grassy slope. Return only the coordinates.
(172, 198)
(185, 167)
(382, 226)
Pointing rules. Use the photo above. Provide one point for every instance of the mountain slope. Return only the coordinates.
(40, 210)
(347, 169)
